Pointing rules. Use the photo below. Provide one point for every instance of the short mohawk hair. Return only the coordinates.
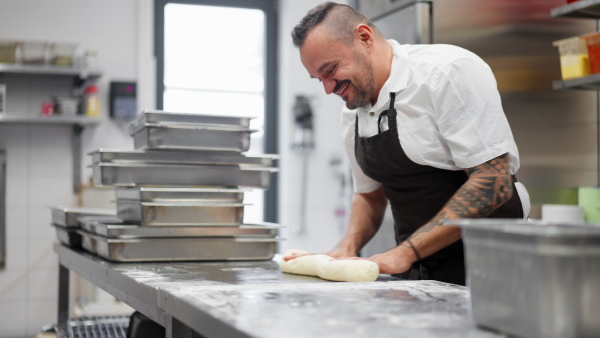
(314, 17)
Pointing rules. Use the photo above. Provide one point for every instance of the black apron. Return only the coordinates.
(416, 194)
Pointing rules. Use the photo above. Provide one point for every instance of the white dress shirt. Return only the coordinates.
(450, 114)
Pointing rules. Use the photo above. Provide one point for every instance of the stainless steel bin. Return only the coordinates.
(174, 118)
(180, 249)
(68, 216)
(533, 279)
(118, 174)
(157, 136)
(184, 213)
(182, 157)
(155, 194)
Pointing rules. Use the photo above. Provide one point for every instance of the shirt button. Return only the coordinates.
(372, 113)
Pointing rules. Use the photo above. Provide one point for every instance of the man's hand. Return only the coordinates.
(397, 260)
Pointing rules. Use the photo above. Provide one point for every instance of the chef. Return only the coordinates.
(424, 131)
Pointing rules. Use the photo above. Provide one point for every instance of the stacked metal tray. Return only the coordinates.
(179, 195)
(66, 222)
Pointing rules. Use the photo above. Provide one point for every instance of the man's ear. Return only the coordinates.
(364, 35)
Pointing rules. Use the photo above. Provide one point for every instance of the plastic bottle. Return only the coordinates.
(92, 101)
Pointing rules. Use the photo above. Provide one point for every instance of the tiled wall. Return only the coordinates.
(39, 157)
(38, 175)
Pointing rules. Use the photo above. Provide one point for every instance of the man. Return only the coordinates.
(424, 129)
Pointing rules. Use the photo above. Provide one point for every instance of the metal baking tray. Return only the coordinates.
(135, 231)
(192, 137)
(180, 249)
(150, 194)
(117, 174)
(183, 157)
(67, 216)
(180, 213)
(69, 237)
(533, 279)
(171, 118)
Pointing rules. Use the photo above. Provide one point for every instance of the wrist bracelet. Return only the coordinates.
(414, 249)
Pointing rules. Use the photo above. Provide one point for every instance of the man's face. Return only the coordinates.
(343, 69)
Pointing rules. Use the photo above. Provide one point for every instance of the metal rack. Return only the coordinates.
(586, 9)
(96, 327)
(80, 77)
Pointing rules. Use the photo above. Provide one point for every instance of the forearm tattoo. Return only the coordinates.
(488, 187)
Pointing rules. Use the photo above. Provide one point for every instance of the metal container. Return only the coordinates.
(184, 213)
(212, 195)
(67, 216)
(87, 223)
(69, 237)
(533, 279)
(135, 231)
(192, 137)
(88, 241)
(171, 118)
(180, 249)
(183, 157)
(117, 174)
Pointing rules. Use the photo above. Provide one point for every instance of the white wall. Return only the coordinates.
(322, 227)
(39, 157)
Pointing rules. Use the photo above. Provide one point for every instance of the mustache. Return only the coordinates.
(340, 85)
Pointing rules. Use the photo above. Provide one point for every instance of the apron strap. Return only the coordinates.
(390, 113)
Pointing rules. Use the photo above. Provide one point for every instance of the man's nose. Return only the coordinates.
(329, 86)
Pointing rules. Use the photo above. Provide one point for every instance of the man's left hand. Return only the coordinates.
(397, 260)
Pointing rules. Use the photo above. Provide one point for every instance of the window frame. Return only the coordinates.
(269, 7)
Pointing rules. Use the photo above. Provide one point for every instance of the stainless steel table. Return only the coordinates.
(254, 299)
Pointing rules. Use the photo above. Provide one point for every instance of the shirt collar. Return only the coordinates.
(397, 81)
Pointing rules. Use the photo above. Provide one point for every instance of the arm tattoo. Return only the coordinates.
(488, 187)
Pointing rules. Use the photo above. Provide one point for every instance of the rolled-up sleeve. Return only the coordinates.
(469, 114)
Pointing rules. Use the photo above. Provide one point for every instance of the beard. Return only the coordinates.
(363, 91)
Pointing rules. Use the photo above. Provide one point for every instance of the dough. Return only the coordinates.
(325, 267)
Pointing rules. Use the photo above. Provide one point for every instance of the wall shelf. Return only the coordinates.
(49, 70)
(589, 9)
(590, 82)
(70, 120)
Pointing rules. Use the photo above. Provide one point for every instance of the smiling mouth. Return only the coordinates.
(343, 88)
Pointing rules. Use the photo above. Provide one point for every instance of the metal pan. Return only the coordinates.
(261, 230)
(87, 223)
(67, 216)
(180, 249)
(88, 241)
(69, 237)
(183, 157)
(171, 118)
(157, 136)
(213, 195)
(184, 214)
(116, 174)
(516, 267)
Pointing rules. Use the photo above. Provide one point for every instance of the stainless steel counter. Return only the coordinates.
(254, 299)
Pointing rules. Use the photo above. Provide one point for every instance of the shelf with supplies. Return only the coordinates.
(587, 9)
(49, 70)
(583, 9)
(25, 87)
(590, 82)
(14, 118)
